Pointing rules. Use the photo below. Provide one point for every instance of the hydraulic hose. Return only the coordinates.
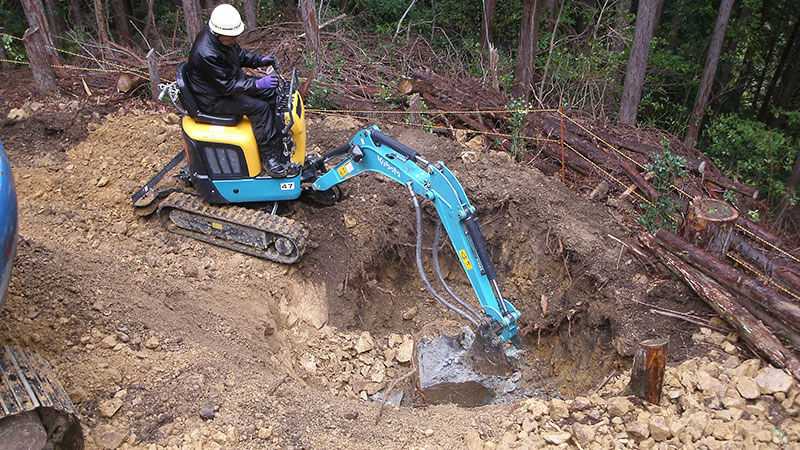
(436, 237)
(419, 262)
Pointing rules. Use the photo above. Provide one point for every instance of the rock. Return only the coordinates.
(473, 441)
(103, 181)
(470, 157)
(108, 342)
(723, 431)
(556, 437)
(152, 343)
(771, 380)
(106, 436)
(264, 433)
(269, 327)
(172, 119)
(659, 430)
(365, 342)
(708, 384)
(110, 407)
(584, 434)
(619, 406)
(638, 430)
(395, 340)
(747, 387)
(17, 114)
(208, 411)
(558, 409)
(119, 228)
(537, 408)
(696, 424)
(406, 351)
(476, 143)
(349, 221)
(529, 424)
(410, 313)
(309, 363)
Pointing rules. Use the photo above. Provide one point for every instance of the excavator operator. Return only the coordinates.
(215, 76)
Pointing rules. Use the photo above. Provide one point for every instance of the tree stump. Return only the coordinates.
(647, 373)
(709, 225)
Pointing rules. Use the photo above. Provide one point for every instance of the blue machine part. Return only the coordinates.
(8, 223)
(371, 150)
(254, 189)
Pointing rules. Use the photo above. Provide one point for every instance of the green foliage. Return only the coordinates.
(321, 97)
(666, 168)
(519, 110)
(748, 150)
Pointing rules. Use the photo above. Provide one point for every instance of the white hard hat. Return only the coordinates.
(225, 20)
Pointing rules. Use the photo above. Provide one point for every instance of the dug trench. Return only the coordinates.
(162, 340)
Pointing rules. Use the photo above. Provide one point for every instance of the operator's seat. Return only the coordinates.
(193, 109)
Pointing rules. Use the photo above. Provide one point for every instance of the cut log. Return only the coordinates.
(757, 230)
(779, 305)
(709, 224)
(749, 327)
(647, 373)
(647, 189)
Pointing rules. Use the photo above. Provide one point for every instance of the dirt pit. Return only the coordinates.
(162, 340)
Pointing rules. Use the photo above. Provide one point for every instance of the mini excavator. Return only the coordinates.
(231, 202)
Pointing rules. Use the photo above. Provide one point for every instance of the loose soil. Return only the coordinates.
(172, 329)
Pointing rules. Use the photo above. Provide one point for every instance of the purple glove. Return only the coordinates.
(270, 60)
(267, 82)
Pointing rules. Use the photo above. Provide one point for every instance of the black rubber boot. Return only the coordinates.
(274, 168)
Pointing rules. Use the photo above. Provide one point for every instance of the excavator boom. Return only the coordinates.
(371, 150)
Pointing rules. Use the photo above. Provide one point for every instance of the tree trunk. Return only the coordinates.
(709, 224)
(35, 14)
(309, 12)
(77, 17)
(707, 82)
(763, 114)
(250, 14)
(487, 31)
(191, 15)
(121, 15)
(35, 41)
(791, 186)
(637, 61)
(526, 52)
(100, 18)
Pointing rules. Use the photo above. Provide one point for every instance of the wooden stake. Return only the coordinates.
(152, 68)
(647, 373)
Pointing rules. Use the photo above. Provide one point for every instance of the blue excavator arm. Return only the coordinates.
(371, 150)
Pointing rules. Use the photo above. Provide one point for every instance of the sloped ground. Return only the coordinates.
(164, 342)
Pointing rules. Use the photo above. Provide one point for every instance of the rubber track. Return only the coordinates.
(239, 216)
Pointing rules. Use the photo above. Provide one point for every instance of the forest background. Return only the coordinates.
(722, 74)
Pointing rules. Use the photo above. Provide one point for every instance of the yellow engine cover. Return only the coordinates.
(240, 135)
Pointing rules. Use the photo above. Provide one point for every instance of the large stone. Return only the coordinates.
(406, 351)
(747, 387)
(365, 342)
(708, 384)
(106, 436)
(556, 437)
(537, 408)
(584, 434)
(696, 424)
(659, 430)
(17, 114)
(110, 407)
(638, 430)
(771, 380)
(558, 409)
(619, 406)
(723, 431)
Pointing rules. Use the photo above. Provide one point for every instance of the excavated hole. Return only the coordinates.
(568, 359)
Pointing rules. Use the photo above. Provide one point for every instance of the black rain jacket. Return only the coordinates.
(215, 70)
